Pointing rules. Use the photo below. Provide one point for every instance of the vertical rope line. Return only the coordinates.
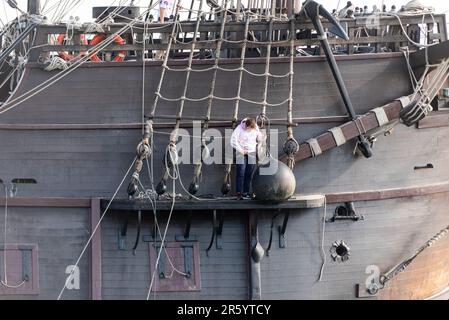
(323, 253)
(291, 79)
(239, 89)
(216, 61)
(174, 136)
(267, 68)
(164, 64)
(198, 167)
(145, 30)
(293, 144)
(5, 283)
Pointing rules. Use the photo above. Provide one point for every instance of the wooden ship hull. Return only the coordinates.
(77, 138)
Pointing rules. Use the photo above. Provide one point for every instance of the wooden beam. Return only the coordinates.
(168, 125)
(350, 130)
(246, 207)
(387, 194)
(234, 61)
(47, 202)
(207, 206)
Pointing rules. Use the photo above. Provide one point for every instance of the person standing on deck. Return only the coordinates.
(164, 10)
(244, 140)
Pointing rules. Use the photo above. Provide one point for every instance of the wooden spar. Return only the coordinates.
(34, 6)
(350, 130)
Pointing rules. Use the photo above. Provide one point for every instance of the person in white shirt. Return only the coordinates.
(164, 9)
(244, 140)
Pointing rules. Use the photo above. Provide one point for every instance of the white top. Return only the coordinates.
(245, 141)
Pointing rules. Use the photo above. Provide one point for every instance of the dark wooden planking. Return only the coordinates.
(126, 276)
(47, 202)
(315, 94)
(60, 234)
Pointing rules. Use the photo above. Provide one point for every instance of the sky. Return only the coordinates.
(83, 8)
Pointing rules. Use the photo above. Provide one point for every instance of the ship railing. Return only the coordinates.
(385, 35)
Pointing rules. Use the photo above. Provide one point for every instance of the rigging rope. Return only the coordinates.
(388, 276)
(291, 145)
(226, 187)
(95, 229)
(194, 186)
(76, 64)
(5, 232)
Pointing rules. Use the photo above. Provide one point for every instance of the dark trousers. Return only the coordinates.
(244, 172)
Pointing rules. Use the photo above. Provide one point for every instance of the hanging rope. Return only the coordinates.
(226, 187)
(291, 145)
(171, 152)
(5, 230)
(421, 107)
(194, 185)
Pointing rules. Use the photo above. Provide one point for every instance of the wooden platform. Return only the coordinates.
(231, 204)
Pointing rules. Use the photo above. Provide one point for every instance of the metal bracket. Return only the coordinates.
(26, 264)
(188, 260)
(122, 231)
(345, 213)
(217, 231)
(186, 235)
(363, 293)
(282, 229)
(270, 242)
(161, 265)
(139, 223)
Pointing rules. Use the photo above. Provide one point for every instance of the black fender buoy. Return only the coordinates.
(364, 147)
(273, 182)
(132, 188)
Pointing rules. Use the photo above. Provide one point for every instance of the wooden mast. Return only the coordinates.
(34, 6)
